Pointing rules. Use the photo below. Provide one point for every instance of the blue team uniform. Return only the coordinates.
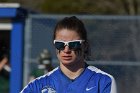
(91, 80)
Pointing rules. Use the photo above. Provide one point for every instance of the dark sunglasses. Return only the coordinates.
(75, 44)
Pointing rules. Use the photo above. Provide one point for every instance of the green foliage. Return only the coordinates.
(82, 6)
(99, 7)
(4, 0)
(4, 87)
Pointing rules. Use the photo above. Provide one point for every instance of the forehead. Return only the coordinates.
(66, 34)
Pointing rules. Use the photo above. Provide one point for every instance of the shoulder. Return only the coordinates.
(104, 78)
(39, 83)
(99, 72)
(43, 78)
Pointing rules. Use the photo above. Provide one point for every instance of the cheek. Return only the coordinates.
(78, 53)
(58, 52)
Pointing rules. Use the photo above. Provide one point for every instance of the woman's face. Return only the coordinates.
(68, 56)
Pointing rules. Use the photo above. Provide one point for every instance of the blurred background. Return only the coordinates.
(94, 7)
(27, 51)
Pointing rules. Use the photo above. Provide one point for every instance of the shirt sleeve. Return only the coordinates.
(32, 87)
(108, 85)
(27, 89)
(113, 86)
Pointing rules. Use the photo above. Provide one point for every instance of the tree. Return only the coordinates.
(99, 7)
(121, 7)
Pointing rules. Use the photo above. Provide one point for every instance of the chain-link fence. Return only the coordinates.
(114, 40)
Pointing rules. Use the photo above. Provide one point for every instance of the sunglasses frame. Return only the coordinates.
(66, 43)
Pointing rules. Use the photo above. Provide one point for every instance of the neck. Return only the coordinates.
(73, 71)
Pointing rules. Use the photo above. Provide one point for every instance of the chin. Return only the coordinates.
(68, 62)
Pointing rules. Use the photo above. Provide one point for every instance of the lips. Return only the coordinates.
(66, 57)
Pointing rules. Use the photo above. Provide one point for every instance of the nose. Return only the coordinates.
(66, 49)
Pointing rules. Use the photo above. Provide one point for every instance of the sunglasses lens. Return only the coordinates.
(59, 45)
(75, 45)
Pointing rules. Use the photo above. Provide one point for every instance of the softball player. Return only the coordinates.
(73, 75)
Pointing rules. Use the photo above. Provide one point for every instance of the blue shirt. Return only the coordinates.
(91, 80)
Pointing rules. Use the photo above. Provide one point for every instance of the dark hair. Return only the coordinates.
(74, 24)
(71, 23)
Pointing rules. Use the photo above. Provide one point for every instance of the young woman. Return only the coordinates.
(73, 75)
